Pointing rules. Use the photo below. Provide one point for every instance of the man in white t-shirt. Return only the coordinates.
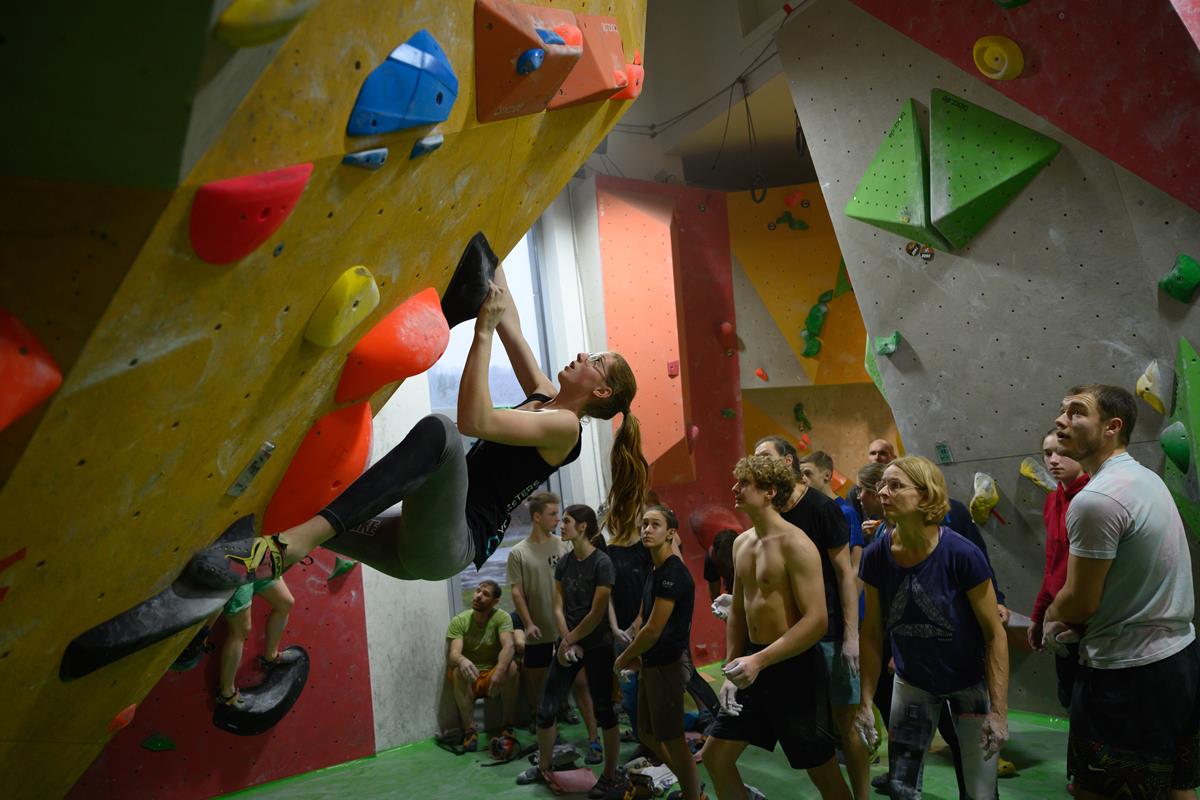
(1135, 712)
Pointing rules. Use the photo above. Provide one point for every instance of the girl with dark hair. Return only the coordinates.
(457, 507)
(583, 580)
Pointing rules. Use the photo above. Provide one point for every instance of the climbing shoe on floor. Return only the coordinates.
(470, 742)
(595, 752)
(531, 775)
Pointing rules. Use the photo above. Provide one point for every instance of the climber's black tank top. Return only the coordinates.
(499, 478)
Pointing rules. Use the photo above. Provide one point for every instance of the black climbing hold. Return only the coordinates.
(176, 608)
(268, 702)
(469, 286)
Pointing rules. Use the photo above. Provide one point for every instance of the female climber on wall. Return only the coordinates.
(457, 507)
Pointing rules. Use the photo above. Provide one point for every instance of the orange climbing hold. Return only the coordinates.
(600, 73)
(334, 452)
(523, 53)
(232, 217)
(122, 719)
(27, 372)
(404, 343)
(635, 75)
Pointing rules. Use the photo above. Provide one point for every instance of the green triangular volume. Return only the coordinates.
(843, 280)
(979, 161)
(893, 194)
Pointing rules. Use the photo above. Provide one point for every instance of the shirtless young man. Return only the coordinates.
(776, 689)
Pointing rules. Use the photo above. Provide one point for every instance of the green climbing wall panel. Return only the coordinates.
(894, 192)
(978, 162)
(1185, 484)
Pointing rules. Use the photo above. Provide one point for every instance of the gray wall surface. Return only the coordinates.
(406, 620)
(1060, 288)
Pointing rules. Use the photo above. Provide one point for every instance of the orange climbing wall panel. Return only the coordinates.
(639, 307)
(791, 268)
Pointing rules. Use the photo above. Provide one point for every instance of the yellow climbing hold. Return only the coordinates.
(348, 302)
(985, 499)
(998, 58)
(1032, 468)
(250, 23)
(1149, 387)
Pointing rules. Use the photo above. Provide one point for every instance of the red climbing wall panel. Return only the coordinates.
(1123, 78)
(332, 722)
(703, 294)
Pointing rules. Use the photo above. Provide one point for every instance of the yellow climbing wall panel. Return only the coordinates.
(791, 268)
(176, 371)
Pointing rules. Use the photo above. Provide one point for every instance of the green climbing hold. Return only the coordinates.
(886, 345)
(894, 192)
(802, 421)
(979, 161)
(728, 413)
(784, 219)
(158, 742)
(341, 566)
(797, 224)
(1174, 441)
(1181, 438)
(843, 280)
(873, 370)
(825, 297)
(812, 346)
(1183, 281)
(815, 320)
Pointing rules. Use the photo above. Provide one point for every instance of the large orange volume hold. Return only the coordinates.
(232, 217)
(335, 451)
(28, 375)
(406, 342)
(523, 53)
(600, 73)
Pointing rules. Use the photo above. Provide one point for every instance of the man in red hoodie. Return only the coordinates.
(1071, 478)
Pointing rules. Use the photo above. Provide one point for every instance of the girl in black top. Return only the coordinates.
(456, 508)
(583, 580)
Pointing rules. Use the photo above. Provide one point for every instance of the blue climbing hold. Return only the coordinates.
(426, 145)
(549, 37)
(414, 86)
(530, 60)
(366, 159)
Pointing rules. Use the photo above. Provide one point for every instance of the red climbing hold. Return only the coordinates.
(635, 75)
(123, 718)
(334, 452)
(728, 336)
(708, 520)
(232, 217)
(404, 343)
(762, 374)
(27, 372)
(693, 436)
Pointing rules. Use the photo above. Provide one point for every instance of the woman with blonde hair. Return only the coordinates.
(930, 590)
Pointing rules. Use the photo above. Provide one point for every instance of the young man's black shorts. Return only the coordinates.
(788, 704)
(1136, 732)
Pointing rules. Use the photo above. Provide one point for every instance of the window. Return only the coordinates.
(521, 272)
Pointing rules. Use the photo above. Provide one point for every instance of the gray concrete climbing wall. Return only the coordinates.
(1060, 288)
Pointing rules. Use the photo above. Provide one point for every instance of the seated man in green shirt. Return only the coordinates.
(481, 660)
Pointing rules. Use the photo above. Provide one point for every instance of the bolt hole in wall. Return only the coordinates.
(520, 271)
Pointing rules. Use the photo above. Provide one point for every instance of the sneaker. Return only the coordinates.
(567, 716)
(505, 746)
(531, 775)
(282, 659)
(606, 788)
(470, 742)
(595, 752)
(234, 700)
(628, 735)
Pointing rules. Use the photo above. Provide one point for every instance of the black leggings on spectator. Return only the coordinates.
(698, 688)
(599, 664)
(883, 701)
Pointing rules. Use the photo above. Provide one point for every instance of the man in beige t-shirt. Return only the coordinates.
(531, 580)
